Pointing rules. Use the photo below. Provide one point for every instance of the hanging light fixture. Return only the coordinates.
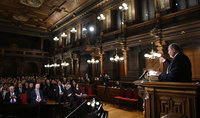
(63, 34)
(116, 58)
(93, 61)
(73, 30)
(123, 7)
(55, 65)
(152, 54)
(64, 64)
(55, 38)
(84, 29)
(101, 17)
(47, 66)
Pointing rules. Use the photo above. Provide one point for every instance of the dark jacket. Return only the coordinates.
(179, 70)
(18, 91)
(7, 98)
(33, 96)
(57, 90)
(29, 91)
(1, 98)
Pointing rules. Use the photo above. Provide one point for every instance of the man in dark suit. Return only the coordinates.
(19, 89)
(37, 95)
(179, 69)
(59, 92)
(1, 99)
(69, 95)
(29, 91)
(11, 96)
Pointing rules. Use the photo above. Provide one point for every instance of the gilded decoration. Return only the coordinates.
(32, 3)
(21, 18)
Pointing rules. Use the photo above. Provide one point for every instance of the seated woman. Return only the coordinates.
(78, 94)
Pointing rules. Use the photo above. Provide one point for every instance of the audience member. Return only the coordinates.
(12, 97)
(30, 89)
(69, 93)
(37, 95)
(59, 92)
(78, 94)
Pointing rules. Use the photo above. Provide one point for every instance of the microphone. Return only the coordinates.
(143, 74)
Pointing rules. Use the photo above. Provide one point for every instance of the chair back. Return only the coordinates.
(82, 90)
(135, 96)
(122, 92)
(89, 91)
(24, 98)
(128, 93)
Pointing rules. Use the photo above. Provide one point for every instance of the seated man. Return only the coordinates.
(117, 85)
(69, 94)
(59, 92)
(37, 95)
(1, 99)
(30, 89)
(12, 97)
(19, 89)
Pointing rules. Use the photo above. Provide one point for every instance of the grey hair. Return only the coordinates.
(11, 87)
(175, 46)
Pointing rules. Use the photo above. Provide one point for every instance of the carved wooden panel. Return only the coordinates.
(172, 104)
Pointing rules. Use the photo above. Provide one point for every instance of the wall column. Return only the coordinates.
(93, 70)
(42, 44)
(125, 63)
(72, 66)
(62, 68)
(78, 66)
(101, 64)
(54, 69)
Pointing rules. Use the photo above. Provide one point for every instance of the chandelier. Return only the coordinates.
(56, 38)
(63, 34)
(52, 65)
(101, 17)
(55, 65)
(64, 64)
(116, 58)
(152, 54)
(47, 66)
(93, 61)
(123, 7)
(73, 30)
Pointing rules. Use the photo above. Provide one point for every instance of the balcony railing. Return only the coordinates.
(23, 53)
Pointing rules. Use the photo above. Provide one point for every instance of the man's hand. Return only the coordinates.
(69, 95)
(39, 100)
(158, 73)
(162, 58)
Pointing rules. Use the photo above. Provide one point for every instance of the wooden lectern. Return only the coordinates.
(162, 98)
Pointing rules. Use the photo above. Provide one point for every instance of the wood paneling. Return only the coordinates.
(161, 98)
(193, 52)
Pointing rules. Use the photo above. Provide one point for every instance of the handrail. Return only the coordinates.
(168, 16)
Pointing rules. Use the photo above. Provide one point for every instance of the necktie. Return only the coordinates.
(38, 96)
(167, 70)
(12, 99)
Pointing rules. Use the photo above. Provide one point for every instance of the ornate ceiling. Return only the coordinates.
(38, 14)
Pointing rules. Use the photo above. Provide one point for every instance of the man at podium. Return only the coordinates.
(179, 69)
